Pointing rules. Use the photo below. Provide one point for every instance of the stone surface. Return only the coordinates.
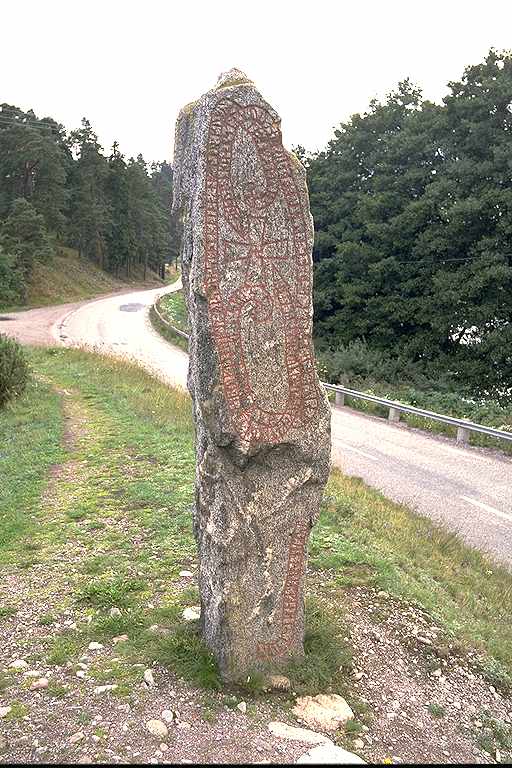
(18, 665)
(157, 728)
(39, 685)
(192, 614)
(262, 419)
(330, 754)
(327, 712)
(279, 683)
(290, 732)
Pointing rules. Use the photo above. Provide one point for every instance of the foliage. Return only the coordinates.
(412, 203)
(115, 212)
(24, 238)
(14, 372)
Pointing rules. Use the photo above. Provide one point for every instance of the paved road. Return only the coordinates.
(469, 490)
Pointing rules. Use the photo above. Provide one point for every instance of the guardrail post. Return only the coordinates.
(394, 415)
(340, 398)
(462, 435)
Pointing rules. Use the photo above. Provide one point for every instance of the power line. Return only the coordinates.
(30, 123)
(440, 261)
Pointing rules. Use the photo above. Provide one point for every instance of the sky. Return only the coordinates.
(130, 66)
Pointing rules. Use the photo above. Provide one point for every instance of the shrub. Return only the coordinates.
(13, 370)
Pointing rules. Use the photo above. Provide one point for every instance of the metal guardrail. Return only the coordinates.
(464, 426)
(168, 324)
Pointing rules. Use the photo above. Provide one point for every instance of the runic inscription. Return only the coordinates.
(290, 597)
(270, 265)
(261, 416)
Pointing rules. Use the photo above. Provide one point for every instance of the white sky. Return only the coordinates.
(129, 66)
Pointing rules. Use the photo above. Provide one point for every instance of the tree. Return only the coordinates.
(24, 240)
(33, 164)
(413, 212)
(89, 212)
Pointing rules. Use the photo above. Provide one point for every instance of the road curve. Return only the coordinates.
(468, 490)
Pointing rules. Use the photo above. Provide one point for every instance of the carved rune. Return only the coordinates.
(257, 275)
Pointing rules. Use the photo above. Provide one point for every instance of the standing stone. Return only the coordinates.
(262, 418)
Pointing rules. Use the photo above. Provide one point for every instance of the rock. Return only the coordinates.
(163, 747)
(192, 614)
(18, 665)
(291, 733)
(104, 688)
(157, 728)
(184, 726)
(262, 418)
(327, 712)
(119, 639)
(168, 715)
(279, 683)
(186, 574)
(148, 678)
(114, 612)
(329, 753)
(95, 646)
(242, 707)
(4, 711)
(358, 744)
(76, 737)
(124, 708)
(39, 685)
(81, 673)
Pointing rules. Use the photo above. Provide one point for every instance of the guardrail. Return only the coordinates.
(464, 426)
(168, 324)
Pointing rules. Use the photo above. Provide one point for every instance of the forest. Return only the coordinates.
(59, 187)
(412, 203)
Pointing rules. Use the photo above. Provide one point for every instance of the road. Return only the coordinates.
(468, 490)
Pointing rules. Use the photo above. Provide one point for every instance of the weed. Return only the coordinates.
(107, 592)
(436, 710)
(18, 711)
(327, 660)
(63, 648)
(6, 611)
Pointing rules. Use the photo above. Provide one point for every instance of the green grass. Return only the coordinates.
(363, 538)
(173, 308)
(165, 331)
(120, 509)
(436, 710)
(30, 443)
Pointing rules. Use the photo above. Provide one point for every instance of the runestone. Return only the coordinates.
(262, 419)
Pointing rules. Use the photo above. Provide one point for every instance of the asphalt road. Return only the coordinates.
(468, 490)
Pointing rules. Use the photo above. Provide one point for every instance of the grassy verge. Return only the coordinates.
(68, 277)
(113, 528)
(173, 309)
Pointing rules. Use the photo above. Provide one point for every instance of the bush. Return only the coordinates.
(13, 370)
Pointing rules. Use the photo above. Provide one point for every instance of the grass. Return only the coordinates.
(118, 514)
(69, 277)
(436, 710)
(173, 309)
(363, 538)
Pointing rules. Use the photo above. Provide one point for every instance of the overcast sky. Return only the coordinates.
(129, 66)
